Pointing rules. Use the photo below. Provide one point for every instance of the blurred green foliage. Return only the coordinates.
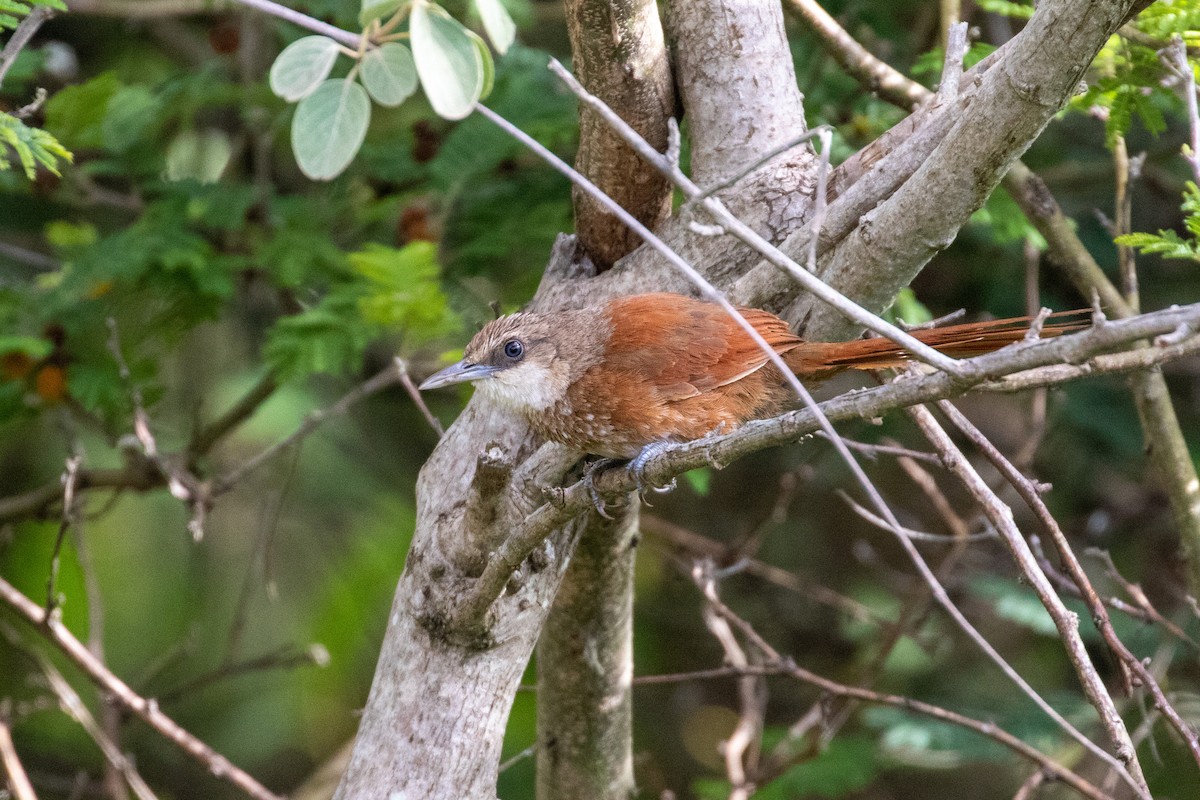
(184, 237)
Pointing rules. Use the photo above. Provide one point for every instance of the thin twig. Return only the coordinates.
(1144, 606)
(21, 36)
(14, 772)
(304, 21)
(70, 480)
(899, 451)
(740, 751)
(73, 706)
(695, 545)
(915, 535)
(407, 382)
(952, 62)
(208, 435)
(1128, 661)
(988, 729)
(52, 628)
(385, 378)
(286, 658)
(1177, 60)
(1066, 622)
(517, 758)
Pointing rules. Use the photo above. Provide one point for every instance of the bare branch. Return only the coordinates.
(52, 628)
(14, 772)
(385, 378)
(71, 704)
(988, 729)
(207, 436)
(740, 750)
(1126, 659)
(873, 73)
(694, 546)
(21, 36)
(1065, 621)
(407, 382)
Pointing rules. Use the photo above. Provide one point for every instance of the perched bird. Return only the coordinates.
(657, 368)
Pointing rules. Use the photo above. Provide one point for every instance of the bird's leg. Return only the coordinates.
(637, 468)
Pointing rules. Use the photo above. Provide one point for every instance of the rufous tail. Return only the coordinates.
(820, 359)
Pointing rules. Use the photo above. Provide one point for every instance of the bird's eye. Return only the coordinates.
(513, 349)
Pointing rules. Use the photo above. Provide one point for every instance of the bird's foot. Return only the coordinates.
(637, 468)
(589, 473)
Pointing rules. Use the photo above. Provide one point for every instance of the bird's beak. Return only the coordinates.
(462, 372)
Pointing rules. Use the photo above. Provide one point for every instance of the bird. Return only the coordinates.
(647, 370)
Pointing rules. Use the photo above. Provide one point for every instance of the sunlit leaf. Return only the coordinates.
(33, 146)
(448, 61)
(198, 155)
(489, 66)
(329, 127)
(302, 66)
(377, 9)
(389, 74)
(499, 25)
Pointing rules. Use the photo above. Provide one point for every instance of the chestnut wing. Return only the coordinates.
(686, 347)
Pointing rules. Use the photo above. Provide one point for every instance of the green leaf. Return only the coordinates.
(403, 290)
(198, 155)
(489, 66)
(33, 146)
(329, 127)
(1006, 8)
(133, 113)
(378, 9)
(389, 74)
(448, 62)
(328, 338)
(35, 347)
(302, 66)
(908, 308)
(699, 479)
(16, 9)
(76, 114)
(501, 29)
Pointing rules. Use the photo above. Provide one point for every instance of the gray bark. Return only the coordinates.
(1015, 101)
(620, 56)
(585, 667)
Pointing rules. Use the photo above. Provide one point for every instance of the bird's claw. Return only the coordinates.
(637, 468)
(588, 474)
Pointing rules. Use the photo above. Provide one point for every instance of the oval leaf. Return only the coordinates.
(198, 155)
(389, 74)
(329, 127)
(497, 23)
(448, 62)
(377, 9)
(489, 66)
(301, 67)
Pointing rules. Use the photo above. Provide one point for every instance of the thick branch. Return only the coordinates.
(620, 55)
(585, 663)
(738, 85)
(1015, 100)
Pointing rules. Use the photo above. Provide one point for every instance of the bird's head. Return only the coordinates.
(525, 361)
